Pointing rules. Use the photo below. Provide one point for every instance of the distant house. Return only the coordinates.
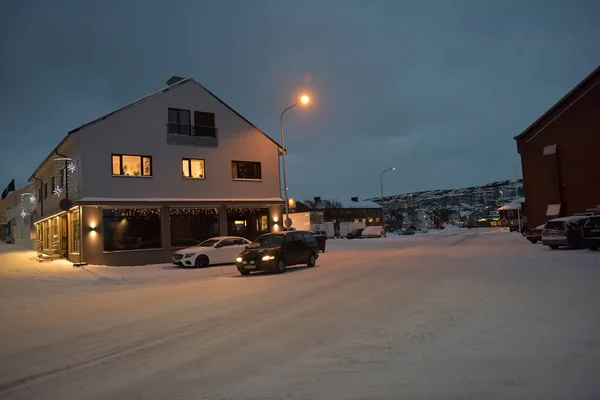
(15, 225)
(354, 210)
(511, 213)
(559, 155)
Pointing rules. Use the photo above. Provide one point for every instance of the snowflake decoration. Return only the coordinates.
(71, 167)
(23, 213)
(32, 199)
(57, 191)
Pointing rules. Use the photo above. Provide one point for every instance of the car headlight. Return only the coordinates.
(268, 258)
(239, 259)
(188, 255)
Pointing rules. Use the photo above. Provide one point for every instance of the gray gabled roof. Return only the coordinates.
(166, 89)
(140, 100)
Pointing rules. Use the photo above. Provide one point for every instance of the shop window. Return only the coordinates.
(74, 231)
(190, 226)
(132, 229)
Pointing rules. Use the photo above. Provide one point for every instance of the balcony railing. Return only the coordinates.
(192, 135)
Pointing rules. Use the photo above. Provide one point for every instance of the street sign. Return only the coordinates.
(65, 204)
(288, 222)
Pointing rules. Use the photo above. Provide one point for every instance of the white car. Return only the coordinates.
(217, 250)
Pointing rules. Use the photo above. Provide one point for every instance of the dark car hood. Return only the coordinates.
(260, 252)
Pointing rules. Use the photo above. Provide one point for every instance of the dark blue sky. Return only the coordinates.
(436, 88)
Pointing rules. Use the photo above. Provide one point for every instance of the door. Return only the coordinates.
(293, 248)
(303, 246)
(226, 252)
(238, 247)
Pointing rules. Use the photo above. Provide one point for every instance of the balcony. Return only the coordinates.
(192, 135)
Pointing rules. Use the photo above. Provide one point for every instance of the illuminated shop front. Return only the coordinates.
(149, 234)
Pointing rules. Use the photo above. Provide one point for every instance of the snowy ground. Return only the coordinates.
(450, 314)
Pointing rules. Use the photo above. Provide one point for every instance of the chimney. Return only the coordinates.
(354, 199)
(174, 80)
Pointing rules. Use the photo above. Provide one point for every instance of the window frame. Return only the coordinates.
(46, 190)
(189, 160)
(247, 179)
(141, 156)
(178, 123)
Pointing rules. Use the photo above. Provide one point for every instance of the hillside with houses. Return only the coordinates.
(475, 205)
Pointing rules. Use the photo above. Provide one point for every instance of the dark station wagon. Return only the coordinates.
(276, 251)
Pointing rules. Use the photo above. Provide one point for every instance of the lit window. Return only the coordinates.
(130, 165)
(193, 168)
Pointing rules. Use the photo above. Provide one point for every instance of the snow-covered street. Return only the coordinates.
(459, 314)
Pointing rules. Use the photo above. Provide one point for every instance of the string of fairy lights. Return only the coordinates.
(134, 212)
(192, 211)
(181, 212)
(28, 204)
(66, 176)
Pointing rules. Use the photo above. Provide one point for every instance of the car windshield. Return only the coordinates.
(267, 241)
(209, 243)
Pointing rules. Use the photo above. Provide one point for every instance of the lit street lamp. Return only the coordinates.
(383, 208)
(304, 100)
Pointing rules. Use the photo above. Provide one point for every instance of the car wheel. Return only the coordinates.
(280, 266)
(244, 272)
(201, 261)
(533, 241)
(554, 246)
(311, 260)
(594, 247)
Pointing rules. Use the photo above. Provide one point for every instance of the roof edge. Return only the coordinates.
(58, 146)
(238, 114)
(560, 102)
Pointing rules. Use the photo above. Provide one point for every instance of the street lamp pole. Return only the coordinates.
(303, 100)
(382, 206)
(285, 188)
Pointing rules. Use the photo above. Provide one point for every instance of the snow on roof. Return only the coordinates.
(360, 204)
(465, 213)
(570, 219)
(510, 206)
(174, 200)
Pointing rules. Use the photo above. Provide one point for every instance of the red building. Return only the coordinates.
(560, 155)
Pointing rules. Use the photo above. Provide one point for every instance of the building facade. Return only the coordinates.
(559, 155)
(354, 210)
(167, 171)
(17, 213)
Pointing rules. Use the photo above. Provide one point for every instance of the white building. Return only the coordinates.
(16, 218)
(168, 170)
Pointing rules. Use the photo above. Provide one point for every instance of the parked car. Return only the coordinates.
(564, 231)
(372, 232)
(277, 251)
(535, 235)
(217, 250)
(408, 231)
(591, 233)
(355, 234)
